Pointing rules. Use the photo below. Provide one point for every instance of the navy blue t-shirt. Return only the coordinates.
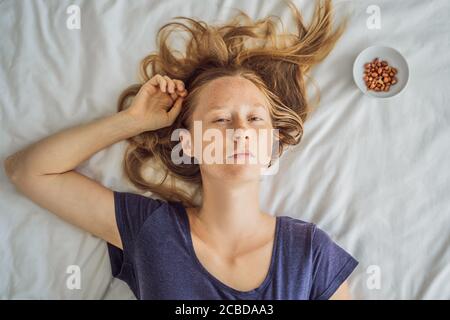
(158, 260)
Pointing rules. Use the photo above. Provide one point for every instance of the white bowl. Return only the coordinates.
(394, 59)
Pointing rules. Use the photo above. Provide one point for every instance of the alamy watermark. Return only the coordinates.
(254, 146)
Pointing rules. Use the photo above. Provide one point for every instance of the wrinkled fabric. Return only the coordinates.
(373, 173)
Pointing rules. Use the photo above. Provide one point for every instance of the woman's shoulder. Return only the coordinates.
(134, 209)
(297, 225)
(301, 232)
(309, 235)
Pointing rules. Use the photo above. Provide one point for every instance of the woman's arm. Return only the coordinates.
(44, 173)
(342, 293)
(65, 150)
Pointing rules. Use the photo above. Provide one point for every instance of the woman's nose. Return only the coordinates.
(240, 129)
(241, 132)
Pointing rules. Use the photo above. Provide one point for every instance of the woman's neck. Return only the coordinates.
(231, 212)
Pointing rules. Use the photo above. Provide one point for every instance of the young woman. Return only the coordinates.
(242, 76)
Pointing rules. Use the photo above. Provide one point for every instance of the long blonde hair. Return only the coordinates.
(278, 63)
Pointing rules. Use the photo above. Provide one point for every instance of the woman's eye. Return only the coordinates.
(225, 120)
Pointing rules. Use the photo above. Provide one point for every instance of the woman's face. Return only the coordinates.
(231, 116)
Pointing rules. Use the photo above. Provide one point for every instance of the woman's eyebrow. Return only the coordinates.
(215, 108)
(218, 107)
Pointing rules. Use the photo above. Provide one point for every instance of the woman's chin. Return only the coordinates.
(243, 171)
(235, 172)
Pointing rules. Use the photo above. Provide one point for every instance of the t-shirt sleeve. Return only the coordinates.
(332, 265)
(131, 211)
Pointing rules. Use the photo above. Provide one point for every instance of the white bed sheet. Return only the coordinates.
(373, 173)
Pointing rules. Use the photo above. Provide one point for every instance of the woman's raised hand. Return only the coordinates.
(158, 103)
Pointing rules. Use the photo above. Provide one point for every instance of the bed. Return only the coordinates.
(373, 173)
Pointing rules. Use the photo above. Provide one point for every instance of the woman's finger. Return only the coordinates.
(174, 87)
(174, 96)
(179, 84)
(149, 87)
(175, 110)
(160, 82)
(153, 81)
(170, 84)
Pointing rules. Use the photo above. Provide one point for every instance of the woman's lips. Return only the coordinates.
(242, 154)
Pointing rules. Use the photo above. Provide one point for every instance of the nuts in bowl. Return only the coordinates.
(380, 72)
(379, 75)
